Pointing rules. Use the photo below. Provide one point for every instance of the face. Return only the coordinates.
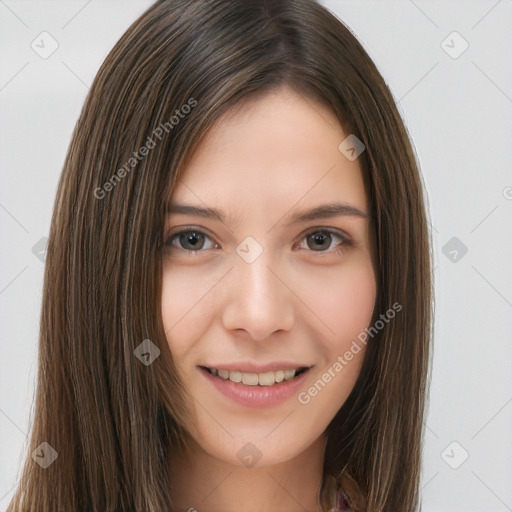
(255, 289)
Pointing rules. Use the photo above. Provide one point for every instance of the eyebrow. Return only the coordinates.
(326, 211)
(319, 212)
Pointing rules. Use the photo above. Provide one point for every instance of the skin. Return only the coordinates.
(298, 301)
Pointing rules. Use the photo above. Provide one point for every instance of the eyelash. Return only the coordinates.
(345, 241)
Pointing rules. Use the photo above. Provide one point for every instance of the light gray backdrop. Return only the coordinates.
(448, 64)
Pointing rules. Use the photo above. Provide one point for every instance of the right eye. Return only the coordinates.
(189, 241)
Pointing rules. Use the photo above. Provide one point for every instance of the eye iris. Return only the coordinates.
(319, 238)
(195, 239)
(316, 241)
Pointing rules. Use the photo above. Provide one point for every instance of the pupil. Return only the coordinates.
(319, 238)
(194, 239)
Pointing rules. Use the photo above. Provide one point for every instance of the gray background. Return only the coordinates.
(457, 107)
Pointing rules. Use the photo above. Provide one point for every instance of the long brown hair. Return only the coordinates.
(113, 420)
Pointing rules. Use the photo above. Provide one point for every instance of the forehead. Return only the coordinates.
(273, 150)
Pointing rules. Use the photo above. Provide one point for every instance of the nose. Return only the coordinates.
(258, 299)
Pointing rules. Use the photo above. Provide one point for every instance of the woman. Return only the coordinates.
(199, 348)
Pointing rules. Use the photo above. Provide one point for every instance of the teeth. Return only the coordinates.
(289, 374)
(224, 374)
(250, 379)
(266, 378)
(255, 379)
(234, 376)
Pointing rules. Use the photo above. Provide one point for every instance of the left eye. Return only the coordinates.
(317, 240)
(193, 241)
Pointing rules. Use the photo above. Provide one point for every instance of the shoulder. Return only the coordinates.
(349, 497)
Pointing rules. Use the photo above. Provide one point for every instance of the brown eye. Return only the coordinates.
(321, 240)
(189, 241)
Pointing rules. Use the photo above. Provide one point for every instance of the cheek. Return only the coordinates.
(353, 303)
(183, 308)
(343, 300)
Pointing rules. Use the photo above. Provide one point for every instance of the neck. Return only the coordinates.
(202, 482)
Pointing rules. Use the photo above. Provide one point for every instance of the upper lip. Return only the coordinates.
(247, 366)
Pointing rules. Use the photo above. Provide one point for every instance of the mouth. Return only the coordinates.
(262, 379)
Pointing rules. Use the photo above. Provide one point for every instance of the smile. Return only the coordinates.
(271, 391)
(269, 378)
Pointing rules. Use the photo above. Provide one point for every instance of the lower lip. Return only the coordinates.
(257, 396)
